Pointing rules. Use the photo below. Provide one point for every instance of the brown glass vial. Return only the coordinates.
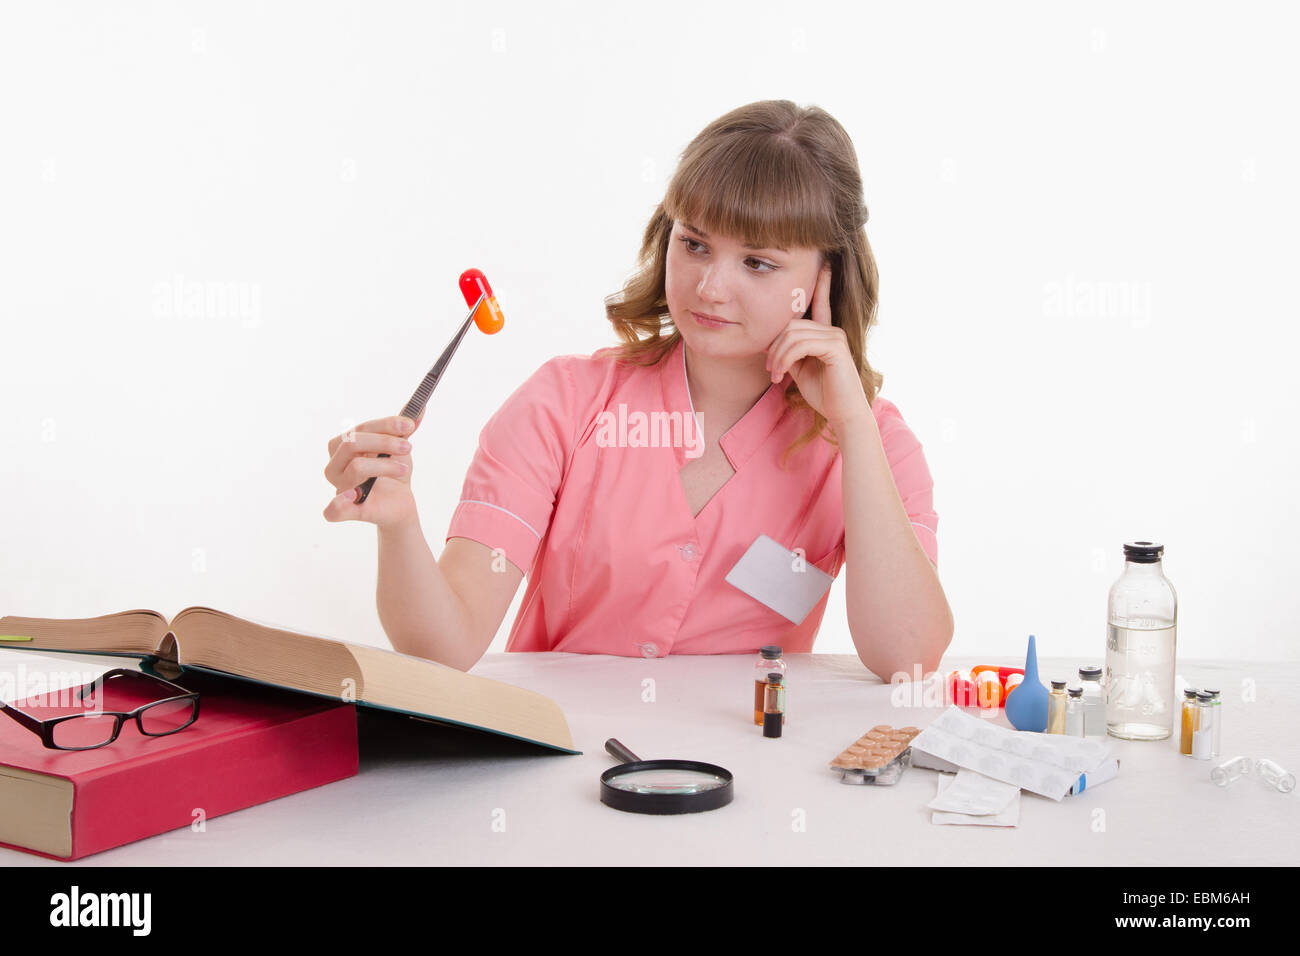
(774, 705)
(769, 661)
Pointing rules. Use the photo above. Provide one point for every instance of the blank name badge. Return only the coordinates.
(777, 578)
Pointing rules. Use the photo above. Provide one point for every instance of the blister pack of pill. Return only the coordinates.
(878, 757)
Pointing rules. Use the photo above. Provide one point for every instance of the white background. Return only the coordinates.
(1084, 217)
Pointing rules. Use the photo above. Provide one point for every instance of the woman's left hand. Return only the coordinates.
(816, 354)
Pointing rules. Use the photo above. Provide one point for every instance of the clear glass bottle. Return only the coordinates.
(1094, 701)
(1056, 704)
(769, 661)
(1075, 712)
(1142, 627)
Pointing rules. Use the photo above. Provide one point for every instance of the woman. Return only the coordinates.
(628, 484)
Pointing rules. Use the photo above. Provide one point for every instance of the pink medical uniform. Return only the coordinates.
(598, 520)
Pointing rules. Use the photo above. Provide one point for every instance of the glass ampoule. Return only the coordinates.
(1230, 770)
(1275, 776)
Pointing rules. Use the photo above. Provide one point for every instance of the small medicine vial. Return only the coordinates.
(1187, 721)
(774, 705)
(1075, 712)
(769, 661)
(1225, 773)
(1203, 731)
(1218, 720)
(1281, 780)
(1094, 701)
(1056, 703)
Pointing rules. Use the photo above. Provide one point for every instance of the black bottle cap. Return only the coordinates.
(1143, 552)
(772, 724)
(1058, 685)
(1204, 695)
(1189, 692)
(770, 651)
(1076, 691)
(775, 678)
(1092, 670)
(1212, 692)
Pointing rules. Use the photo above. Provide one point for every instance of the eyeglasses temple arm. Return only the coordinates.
(27, 720)
(125, 672)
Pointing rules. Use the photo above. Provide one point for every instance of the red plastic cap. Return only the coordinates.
(473, 284)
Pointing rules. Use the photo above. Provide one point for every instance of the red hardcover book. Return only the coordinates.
(250, 744)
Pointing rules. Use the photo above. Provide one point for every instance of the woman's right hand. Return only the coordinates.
(354, 457)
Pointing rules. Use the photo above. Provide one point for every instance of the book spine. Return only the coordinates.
(217, 777)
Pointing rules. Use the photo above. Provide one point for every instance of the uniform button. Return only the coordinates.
(689, 551)
(649, 649)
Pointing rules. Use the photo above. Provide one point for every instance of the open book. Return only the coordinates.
(204, 639)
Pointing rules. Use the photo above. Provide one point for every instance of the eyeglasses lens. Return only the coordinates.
(167, 716)
(87, 730)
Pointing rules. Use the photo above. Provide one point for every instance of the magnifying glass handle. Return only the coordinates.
(620, 752)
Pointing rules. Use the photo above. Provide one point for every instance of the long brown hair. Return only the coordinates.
(774, 174)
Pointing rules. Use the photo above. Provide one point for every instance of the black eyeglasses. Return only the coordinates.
(93, 729)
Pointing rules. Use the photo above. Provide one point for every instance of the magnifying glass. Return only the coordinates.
(663, 786)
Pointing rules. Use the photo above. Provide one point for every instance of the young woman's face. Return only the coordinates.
(754, 290)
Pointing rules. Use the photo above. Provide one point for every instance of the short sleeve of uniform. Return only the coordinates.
(911, 475)
(510, 488)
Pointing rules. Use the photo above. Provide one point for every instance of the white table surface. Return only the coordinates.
(429, 795)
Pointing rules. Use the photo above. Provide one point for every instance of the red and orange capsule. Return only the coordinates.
(478, 296)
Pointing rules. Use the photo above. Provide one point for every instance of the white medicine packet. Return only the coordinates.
(1009, 817)
(1046, 764)
(975, 794)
